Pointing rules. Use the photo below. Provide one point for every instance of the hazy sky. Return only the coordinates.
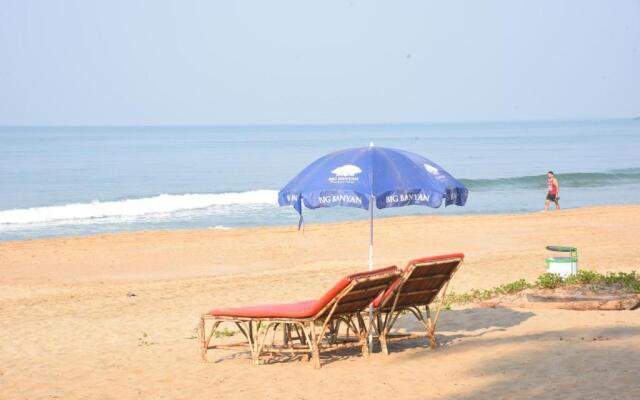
(250, 62)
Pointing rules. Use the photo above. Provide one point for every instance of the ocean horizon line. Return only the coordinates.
(321, 124)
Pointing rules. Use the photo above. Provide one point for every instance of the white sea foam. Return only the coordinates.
(164, 204)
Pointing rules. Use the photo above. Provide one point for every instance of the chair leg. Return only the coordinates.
(206, 340)
(362, 335)
(314, 343)
(203, 345)
(378, 322)
(433, 342)
(335, 330)
(430, 327)
(389, 320)
(252, 338)
(383, 343)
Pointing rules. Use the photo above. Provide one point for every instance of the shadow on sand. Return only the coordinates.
(459, 324)
(577, 363)
(587, 366)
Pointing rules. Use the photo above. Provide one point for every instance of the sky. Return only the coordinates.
(222, 62)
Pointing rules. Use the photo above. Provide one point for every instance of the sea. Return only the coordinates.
(63, 181)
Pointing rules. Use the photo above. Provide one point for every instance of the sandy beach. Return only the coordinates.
(113, 316)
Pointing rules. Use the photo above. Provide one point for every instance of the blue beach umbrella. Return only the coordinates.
(362, 177)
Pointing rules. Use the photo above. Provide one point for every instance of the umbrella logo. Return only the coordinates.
(347, 170)
(431, 169)
(345, 174)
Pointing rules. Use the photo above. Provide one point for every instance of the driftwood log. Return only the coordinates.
(567, 301)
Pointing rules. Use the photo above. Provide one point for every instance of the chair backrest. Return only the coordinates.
(421, 281)
(355, 292)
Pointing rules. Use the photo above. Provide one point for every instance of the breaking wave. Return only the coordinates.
(185, 206)
(162, 205)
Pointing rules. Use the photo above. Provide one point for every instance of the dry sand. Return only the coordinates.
(69, 330)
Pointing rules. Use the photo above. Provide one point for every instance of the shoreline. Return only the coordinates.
(294, 225)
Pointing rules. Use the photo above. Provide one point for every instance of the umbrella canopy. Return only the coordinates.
(360, 176)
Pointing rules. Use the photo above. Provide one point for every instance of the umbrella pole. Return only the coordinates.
(371, 233)
(371, 200)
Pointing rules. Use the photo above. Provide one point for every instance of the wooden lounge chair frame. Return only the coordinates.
(391, 306)
(308, 335)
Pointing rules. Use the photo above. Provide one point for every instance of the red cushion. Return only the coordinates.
(303, 309)
(290, 310)
(389, 292)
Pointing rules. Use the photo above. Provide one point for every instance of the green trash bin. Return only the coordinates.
(563, 266)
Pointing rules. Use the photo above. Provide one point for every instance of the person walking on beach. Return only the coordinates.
(553, 193)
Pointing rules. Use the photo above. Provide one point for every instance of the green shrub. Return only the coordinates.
(584, 277)
(514, 287)
(224, 332)
(634, 287)
(631, 280)
(548, 281)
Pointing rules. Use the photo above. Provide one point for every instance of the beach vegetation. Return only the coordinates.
(583, 277)
(226, 332)
(628, 281)
(548, 281)
(631, 280)
(514, 287)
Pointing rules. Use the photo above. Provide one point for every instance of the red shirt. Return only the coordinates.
(553, 188)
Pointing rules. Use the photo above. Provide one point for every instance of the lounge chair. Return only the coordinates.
(308, 327)
(420, 283)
